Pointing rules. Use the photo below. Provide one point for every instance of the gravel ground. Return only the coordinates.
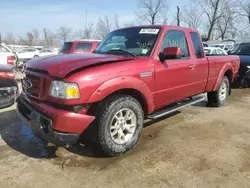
(196, 147)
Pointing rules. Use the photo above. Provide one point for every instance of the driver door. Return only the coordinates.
(173, 76)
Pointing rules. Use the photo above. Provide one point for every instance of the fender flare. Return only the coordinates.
(225, 68)
(124, 82)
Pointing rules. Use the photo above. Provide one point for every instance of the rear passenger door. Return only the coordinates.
(199, 73)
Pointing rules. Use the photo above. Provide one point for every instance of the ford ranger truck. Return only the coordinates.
(136, 73)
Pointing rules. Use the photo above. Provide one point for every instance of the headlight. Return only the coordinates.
(62, 90)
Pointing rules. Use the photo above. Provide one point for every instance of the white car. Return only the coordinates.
(47, 52)
(6, 56)
(214, 51)
(225, 47)
(27, 54)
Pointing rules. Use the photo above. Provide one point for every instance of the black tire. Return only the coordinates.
(214, 99)
(36, 56)
(104, 118)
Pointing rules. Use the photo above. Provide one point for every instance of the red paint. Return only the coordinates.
(167, 82)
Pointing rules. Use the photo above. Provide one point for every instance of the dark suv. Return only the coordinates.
(243, 51)
(84, 46)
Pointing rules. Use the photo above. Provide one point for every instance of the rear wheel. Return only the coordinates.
(218, 98)
(36, 56)
(119, 124)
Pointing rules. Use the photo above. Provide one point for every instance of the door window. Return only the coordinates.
(176, 38)
(196, 40)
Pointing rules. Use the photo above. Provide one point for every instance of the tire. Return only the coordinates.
(218, 98)
(108, 125)
(36, 56)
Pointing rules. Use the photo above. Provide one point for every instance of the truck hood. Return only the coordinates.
(63, 64)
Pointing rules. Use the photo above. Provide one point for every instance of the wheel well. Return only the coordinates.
(229, 74)
(134, 93)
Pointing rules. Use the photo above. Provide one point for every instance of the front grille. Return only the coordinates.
(37, 84)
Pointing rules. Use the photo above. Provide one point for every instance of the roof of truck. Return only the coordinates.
(163, 26)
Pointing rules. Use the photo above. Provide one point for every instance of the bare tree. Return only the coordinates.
(30, 38)
(152, 11)
(192, 15)
(35, 34)
(225, 24)
(213, 11)
(10, 39)
(49, 37)
(104, 26)
(178, 16)
(64, 33)
(244, 9)
(86, 33)
(116, 24)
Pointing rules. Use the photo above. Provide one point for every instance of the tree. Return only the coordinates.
(64, 33)
(104, 26)
(192, 15)
(49, 37)
(225, 24)
(152, 11)
(10, 39)
(35, 34)
(86, 33)
(178, 16)
(213, 11)
(30, 38)
(244, 9)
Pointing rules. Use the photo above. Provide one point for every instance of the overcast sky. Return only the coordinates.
(20, 16)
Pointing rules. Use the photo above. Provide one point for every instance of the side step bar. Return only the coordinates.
(168, 110)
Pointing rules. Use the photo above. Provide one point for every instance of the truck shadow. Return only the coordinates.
(20, 138)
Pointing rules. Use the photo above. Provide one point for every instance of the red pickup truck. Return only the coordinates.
(80, 47)
(134, 74)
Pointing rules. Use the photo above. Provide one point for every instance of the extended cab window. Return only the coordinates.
(176, 38)
(197, 45)
(83, 47)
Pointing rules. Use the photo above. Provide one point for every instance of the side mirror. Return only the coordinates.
(170, 53)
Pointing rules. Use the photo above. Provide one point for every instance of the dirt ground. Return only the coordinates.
(196, 147)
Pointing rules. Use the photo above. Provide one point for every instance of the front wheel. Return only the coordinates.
(218, 98)
(119, 124)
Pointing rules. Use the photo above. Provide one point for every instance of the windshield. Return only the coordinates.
(137, 41)
(83, 47)
(241, 49)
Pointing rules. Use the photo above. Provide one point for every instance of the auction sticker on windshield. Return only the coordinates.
(149, 31)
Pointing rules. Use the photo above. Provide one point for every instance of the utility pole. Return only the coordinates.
(178, 16)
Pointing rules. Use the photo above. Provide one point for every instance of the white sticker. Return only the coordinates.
(144, 51)
(149, 31)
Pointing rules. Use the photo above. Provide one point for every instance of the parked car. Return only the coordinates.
(84, 46)
(8, 86)
(27, 54)
(243, 51)
(107, 95)
(48, 52)
(211, 51)
(226, 47)
(6, 55)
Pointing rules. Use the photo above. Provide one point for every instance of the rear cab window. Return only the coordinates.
(66, 47)
(84, 47)
(197, 44)
(176, 38)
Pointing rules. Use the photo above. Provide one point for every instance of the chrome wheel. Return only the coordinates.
(223, 91)
(123, 126)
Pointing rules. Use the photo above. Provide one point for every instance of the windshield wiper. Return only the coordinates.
(123, 51)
